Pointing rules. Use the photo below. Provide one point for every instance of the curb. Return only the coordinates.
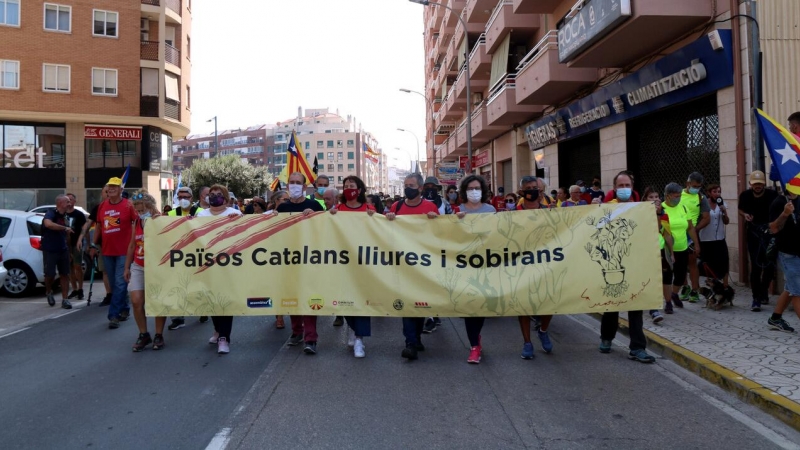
(748, 390)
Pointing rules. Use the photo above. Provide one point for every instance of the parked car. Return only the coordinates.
(20, 242)
(44, 209)
(3, 271)
(86, 264)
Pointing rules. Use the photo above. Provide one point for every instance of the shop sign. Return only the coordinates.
(154, 148)
(695, 70)
(449, 172)
(478, 160)
(29, 158)
(594, 20)
(112, 133)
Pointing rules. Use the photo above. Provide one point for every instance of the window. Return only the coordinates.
(57, 17)
(351, 167)
(330, 156)
(56, 78)
(308, 156)
(330, 167)
(320, 156)
(105, 23)
(320, 144)
(188, 48)
(339, 143)
(104, 82)
(9, 12)
(340, 178)
(188, 97)
(330, 144)
(5, 224)
(340, 167)
(340, 155)
(112, 154)
(308, 145)
(9, 74)
(351, 155)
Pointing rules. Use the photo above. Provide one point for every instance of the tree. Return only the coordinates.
(231, 171)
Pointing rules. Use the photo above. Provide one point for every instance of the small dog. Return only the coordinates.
(717, 294)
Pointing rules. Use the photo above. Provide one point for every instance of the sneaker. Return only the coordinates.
(279, 323)
(779, 325)
(223, 348)
(158, 342)
(527, 351)
(178, 323)
(51, 300)
(142, 342)
(123, 316)
(358, 349)
(310, 348)
(641, 355)
(684, 293)
(203, 319)
(547, 346)
(213, 339)
(605, 346)
(351, 338)
(410, 352)
(694, 297)
(657, 317)
(668, 308)
(419, 347)
(430, 326)
(295, 339)
(66, 304)
(765, 301)
(106, 300)
(338, 321)
(677, 301)
(80, 294)
(755, 306)
(113, 323)
(73, 294)
(474, 355)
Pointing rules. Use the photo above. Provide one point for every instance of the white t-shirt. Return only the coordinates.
(228, 211)
(715, 231)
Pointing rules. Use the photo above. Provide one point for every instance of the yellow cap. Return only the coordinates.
(114, 182)
(758, 177)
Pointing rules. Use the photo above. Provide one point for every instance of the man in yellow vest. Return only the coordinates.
(185, 208)
(699, 211)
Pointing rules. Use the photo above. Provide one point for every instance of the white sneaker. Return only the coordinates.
(351, 337)
(214, 339)
(358, 349)
(222, 346)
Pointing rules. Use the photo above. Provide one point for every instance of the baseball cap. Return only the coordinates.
(114, 181)
(186, 189)
(232, 195)
(432, 180)
(758, 177)
(580, 183)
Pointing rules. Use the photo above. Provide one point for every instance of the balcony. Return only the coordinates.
(450, 19)
(148, 106)
(453, 102)
(447, 28)
(151, 2)
(149, 50)
(478, 11)
(535, 6)
(172, 55)
(451, 146)
(503, 108)
(438, 16)
(503, 20)
(541, 80)
(480, 63)
(651, 24)
(174, 5)
(472, 28)
(461, 137)
(172, 109)
(448, 113)
(482, 132)
(475, 85)
(451, 59)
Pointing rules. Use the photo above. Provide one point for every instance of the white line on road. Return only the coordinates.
(754, 425)
(66, 313)
(220, 440)
(15, 332)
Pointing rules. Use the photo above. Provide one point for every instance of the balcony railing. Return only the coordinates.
(151, 2)
(148, 106)
(174, 5)
(497, 10)
(510, 82)
(549, 41)
(172, 55)
(150, 50)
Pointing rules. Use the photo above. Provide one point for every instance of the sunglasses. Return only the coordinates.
(138, 197)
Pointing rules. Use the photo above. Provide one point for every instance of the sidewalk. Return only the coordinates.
(735, 349)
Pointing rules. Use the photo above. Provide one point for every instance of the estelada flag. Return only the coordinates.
(296, 161)
(784, 149)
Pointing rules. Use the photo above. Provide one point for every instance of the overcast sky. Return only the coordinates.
(256, 61)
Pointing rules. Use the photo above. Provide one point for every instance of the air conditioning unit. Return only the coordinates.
(477, 97)
(144, 25)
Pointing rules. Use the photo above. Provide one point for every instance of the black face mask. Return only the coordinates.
(531, 195)
(430, 193)
(597, 184)
(411, 193)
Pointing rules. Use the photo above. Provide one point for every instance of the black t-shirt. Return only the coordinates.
(93, 213)
(758, 207)
(300, 207)
(54, 241)
(789, 236)
(78, 221)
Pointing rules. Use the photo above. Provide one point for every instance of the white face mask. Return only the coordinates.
(474, 196)
(184, 203)
(296, 190)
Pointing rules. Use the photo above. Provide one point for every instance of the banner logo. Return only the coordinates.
(398, 305)
(289, 302)
(316, 303)
(265, 302)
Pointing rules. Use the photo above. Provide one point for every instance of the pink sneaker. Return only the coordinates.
(474, 355)
(214, 339)
(222, 346)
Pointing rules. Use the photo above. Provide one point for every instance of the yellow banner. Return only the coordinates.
(561, 261)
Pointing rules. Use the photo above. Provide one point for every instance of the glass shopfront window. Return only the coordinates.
(32, 146)
(27, 199)
(105, 154)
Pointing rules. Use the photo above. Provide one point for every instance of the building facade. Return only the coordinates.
(571, 90)
(256, 144)
(81, 98)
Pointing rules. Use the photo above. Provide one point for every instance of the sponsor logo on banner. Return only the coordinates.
(343, 303)
(264, 302)
(289, 302)
(373, 303)
(316, 303)
(398, 305)
(421, 305)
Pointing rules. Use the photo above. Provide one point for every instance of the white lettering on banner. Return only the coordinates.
(24, 159)
(116, 133)
(539, 137)
(696, 72)
(590, 116)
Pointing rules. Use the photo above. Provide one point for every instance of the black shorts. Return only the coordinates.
(56, 260)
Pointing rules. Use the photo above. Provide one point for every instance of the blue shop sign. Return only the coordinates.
(693, 71)
(594, 20)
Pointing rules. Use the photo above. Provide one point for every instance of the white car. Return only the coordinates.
(44, 209)
(3, 271)
(20, 242)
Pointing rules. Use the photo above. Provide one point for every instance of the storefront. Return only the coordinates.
(32, 164)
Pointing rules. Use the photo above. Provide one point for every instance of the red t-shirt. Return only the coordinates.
(423, 208)
(138, 252)
(363, 208)
(116, 223)
(499, 203)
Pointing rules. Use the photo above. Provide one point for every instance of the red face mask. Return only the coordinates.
(351, 194)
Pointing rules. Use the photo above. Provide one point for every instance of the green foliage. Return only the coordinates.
(231, 171)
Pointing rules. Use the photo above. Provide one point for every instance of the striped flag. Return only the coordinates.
(784, 149)
(125, 176)
(296, 161)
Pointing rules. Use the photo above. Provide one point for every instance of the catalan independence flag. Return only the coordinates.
(296, 161)
(371, 155)
(784, 149)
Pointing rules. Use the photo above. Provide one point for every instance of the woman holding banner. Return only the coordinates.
(475, 196)
(354, 199)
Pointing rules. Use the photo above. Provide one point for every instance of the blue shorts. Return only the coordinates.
(791, 273)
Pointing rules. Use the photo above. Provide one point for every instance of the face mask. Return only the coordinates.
(411, 193)
(295, 190)
(452, 196)
(430, 194)
(474, 196)
(624, 194)
(321, 190)
(184, 203)
(583, 189)
(673, 202)
(510, 205)
(145, 216)
(531, 195)
(694, 191)
(215, 200)
(351, 194)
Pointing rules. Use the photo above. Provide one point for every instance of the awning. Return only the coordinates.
(171, 83)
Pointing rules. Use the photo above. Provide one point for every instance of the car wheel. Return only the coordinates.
(20, 280)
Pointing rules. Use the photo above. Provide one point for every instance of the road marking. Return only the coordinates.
(15, 332)
(763, 430)
(66, 313)
(220, 440)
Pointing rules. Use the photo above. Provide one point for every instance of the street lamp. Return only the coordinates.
(466, 75)
(415, 137)
(216, 144)
(430, 107)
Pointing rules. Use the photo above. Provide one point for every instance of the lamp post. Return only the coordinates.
(430, 108)
(466, 75)
(216, 144)
(415, 137)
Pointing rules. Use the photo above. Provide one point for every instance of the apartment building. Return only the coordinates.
(256, 144)
(87, 89)
(571, 90)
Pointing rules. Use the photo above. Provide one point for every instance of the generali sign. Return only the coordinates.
(112, 133)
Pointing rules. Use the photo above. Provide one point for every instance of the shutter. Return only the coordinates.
(500, 62)
(462, 49)
(171, 82)
(150, 83)
(49, 77)
(63, 78)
